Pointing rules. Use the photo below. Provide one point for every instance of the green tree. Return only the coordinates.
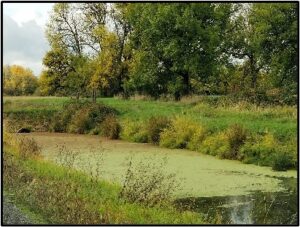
(119, 13)
(264, 36)
(58, 64)
(276, 25)
(181, 42)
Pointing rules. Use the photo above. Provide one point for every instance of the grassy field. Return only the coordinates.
(282, 121)
(266, 128)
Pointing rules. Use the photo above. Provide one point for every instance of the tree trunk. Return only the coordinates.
(253, 72)
(177, 96)
(94, 95)
(186, 84)
(77, 95)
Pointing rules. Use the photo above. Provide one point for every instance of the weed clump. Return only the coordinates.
(24, 147)
(134, 131)
(146, 183)
(180, 133)
(282, 161)
(28, 148)
(155, 126)
(110, 127)
(236, 136)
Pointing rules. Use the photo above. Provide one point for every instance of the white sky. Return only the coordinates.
(24, 41)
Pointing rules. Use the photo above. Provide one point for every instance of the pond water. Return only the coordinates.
(256, 208)
(229, 191)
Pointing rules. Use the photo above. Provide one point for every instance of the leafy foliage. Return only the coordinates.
(18, 80)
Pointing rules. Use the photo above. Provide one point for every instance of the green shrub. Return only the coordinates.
(267, 151)
(110, 127)
(62, 118)
(80, 122)
(215, 144)
(80, 117)
(259, 150)
(197, 138)
(178, 134)
(134, 131)
(282, 161)
(225, 144)
(236, 136)
(155, 126)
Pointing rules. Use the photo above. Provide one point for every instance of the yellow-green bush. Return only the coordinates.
(225, 144)
(259, 150)
(267, 151)
(197, 138)
(179, 133)
(215, 144)
(134, 131)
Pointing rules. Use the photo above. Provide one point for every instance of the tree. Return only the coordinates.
(19, 80)
(105, 64)
(94, 16)
(265, 37)
(66, 26)
(72, 34)
(276, 26)
(119, 13)
(182, 41)
(59, 65)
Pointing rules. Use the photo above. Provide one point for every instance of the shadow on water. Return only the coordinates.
(255, 208)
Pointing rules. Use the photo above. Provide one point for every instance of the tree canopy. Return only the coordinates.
(172, 49)
(18, 80)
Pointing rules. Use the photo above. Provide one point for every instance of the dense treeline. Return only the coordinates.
(173, 49)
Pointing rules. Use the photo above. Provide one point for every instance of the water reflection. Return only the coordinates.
(256, 208)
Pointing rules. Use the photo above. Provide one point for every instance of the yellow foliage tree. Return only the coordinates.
(105, 63)
(19, 80)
